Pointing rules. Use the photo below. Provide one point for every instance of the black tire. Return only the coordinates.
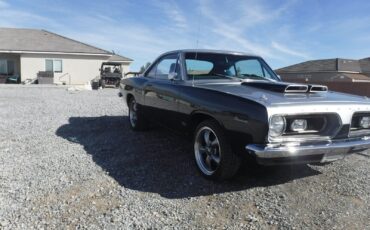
(214, 161)
(136, 117)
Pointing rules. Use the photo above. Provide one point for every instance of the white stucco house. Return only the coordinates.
(25, 52)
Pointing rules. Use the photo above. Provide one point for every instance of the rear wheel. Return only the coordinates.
(136, 118)
(213, 154)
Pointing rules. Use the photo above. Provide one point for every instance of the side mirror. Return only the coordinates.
(279, 77)
(172, 76)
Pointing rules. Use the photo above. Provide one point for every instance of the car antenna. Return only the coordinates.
(196, 56)
(197, 41)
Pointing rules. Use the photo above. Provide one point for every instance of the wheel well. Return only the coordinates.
(128, 98)
(196, 119)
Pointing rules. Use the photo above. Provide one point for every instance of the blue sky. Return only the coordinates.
(283, 32)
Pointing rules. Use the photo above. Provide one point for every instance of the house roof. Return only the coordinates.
(365, 65)
(325, 65)
(119, 58)
(311, 66)
(34, 40)
(357, 77)
(325, 77)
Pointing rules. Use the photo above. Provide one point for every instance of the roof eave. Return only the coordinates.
(54, 52)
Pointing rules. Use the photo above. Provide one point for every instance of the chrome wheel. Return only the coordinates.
(133, 113)
(207, 150)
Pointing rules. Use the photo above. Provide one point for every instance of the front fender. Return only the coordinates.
(239, 116)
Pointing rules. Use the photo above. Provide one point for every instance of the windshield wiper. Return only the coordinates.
(242, 77)
(255, 76)
(227, 76)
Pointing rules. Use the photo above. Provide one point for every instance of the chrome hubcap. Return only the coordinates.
(133, 113)
(207, 150)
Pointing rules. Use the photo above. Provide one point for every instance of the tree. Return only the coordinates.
(144, 67)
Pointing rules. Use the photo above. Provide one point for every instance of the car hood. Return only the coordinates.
(274, 94)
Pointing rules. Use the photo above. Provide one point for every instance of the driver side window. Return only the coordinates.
(166, 65)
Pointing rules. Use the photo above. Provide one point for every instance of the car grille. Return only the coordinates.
(321, 127)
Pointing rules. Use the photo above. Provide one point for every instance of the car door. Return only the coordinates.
(161, 93)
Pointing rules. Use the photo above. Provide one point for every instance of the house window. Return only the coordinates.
(7, 67)
(49, 65)
(58, 66)
(54, 65)
(3, 67)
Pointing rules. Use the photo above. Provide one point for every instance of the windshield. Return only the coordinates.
(110, 68)
(205, 66)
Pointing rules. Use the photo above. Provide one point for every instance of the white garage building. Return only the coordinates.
(26, 52)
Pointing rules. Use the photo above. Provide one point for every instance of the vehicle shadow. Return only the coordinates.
(159, 162)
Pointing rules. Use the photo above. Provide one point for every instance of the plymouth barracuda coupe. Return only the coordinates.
(234, 105)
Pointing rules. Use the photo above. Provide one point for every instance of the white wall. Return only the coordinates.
(81, 68)
(125, 68)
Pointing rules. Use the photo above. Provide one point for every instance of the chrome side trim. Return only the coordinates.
(358, 133)
(329, 149)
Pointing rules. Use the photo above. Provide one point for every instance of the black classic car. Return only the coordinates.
(234, 105)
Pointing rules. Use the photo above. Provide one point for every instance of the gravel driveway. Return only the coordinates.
(69, 160)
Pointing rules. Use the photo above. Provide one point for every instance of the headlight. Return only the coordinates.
(277, 126)
(298, 125)
(360, 125)
(365, 122)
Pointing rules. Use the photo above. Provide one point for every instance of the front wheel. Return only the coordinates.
(136, 118)
(213, 154)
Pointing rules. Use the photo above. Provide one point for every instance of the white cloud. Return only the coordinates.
(3, 4)
(249, 28)
(289, 51)
(10, 17)
(132, 39)
(234, 36)
(234, 30)
(173, 13)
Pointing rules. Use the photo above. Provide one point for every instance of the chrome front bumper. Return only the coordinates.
(293, 153)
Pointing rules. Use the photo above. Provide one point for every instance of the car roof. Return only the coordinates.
(199, 51)
(210, 51)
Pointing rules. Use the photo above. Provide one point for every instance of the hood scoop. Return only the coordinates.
(280, 87)
(296, 89)
(318, 88)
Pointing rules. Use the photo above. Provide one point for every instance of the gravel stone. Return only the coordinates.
(69, 160)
